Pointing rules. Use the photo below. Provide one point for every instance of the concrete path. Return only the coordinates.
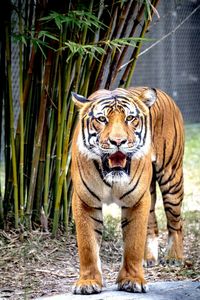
(179, 290)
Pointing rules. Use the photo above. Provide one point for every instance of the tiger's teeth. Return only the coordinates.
(114, 164)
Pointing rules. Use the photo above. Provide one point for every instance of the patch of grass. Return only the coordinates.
(160, 215)
(192, 168)
(112, 227)
(191, 222)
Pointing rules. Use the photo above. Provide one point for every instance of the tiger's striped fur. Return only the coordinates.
(124, 142)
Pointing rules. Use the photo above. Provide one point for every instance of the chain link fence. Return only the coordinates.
(173, 64)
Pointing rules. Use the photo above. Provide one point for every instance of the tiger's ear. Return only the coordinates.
(79, 100)
(149, 96)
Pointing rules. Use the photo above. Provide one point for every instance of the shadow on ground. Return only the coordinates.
(160, 290)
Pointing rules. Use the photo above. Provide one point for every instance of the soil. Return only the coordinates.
(34, 264)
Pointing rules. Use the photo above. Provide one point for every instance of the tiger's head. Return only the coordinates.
(114, 129)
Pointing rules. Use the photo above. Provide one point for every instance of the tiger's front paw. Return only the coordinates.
(87, 287)
(133, 285)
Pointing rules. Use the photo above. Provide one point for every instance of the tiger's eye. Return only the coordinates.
(102, 119)
(130, 118)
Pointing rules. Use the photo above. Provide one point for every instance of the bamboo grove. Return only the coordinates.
(63, 46)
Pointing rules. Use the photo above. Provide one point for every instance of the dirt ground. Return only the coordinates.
(33, 265)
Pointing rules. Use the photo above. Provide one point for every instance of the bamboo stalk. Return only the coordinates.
(38, 140)
(65, 205)
(21, 163)
(128, 74)
(47, 166)
(101, 67)
(31, 112)
(1, 208)
(65, 152)
(12, 138)
(62, 173)
(124, 51)
(62, 105)
(2, 86)
(127, 15)
(29, 13)
(60, 125)
(86, 79)
(40, 177)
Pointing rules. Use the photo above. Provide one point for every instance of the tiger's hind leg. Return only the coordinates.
(171, 186)
(151, 249)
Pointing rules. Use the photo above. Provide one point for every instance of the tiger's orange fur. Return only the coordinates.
(124, 142)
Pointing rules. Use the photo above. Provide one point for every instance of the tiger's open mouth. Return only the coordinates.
(116, 167)
(115, 163)
(117, 160)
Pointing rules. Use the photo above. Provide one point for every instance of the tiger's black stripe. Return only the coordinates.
(98, 208)
(177, 187)
(173, 228)
(100, 173)
(133, 177)
(163, 161)
(86, 186)
(144, 124)
(175, 167)
(139, 133)
(165, 165)
(135, 185)
(174, 192)
(93, 207)
(83, 135)
(169, 210)
(180, 152)
(98, 231)
(170, 179)
(125, 222)
(82, 200)
(102, 100)
(97, 220)
(172, 203)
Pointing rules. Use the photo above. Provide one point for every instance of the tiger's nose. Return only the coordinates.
(117, 141)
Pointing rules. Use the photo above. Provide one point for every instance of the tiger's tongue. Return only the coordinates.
(118, 159)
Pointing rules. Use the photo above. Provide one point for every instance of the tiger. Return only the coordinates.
(124, 142)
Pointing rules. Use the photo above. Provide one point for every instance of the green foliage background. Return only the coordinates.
(64, 46)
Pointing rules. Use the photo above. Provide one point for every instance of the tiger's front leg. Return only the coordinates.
(89, 230)
(134, 226)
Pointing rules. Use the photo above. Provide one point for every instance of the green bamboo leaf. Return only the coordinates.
(148, 9)
(52, 15)
(43, 33)
(74, 19)
(43, 53)
(48, 18)
(37, 44)
(58, 22)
